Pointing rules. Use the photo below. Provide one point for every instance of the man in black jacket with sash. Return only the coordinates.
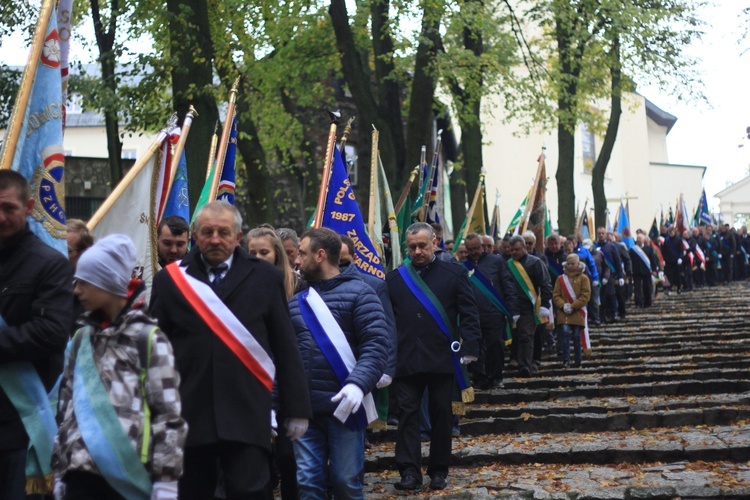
(36, 303)
(495, 292)
(226, 390)
(429, 296)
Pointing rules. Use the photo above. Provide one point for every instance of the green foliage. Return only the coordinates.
(9, 81)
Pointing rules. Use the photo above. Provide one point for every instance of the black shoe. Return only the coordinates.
(410, 482)
(437, 482)
(524, 372)
(498, 384)
(565, 365)
(455, 432)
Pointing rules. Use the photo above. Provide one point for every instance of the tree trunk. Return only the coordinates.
(419, 124)
(192, 82)
(105, 41)
(566, 196)
(600, 168)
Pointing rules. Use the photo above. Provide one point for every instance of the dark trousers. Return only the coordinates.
(621, 292)
(643, 290)
(85, 486)
(244, 471)
(524, 337)
(699, 276)
(727, 267)
(495, 360)
(688, 274)
(284, 455)
(607, 310)
(712, 277)
(408, 442)
(13, 474)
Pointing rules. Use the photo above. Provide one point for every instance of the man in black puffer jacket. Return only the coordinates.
(350, 313)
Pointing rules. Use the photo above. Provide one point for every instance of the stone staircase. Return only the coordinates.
(660, 410)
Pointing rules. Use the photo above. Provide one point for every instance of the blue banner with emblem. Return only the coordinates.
(178, 202)
(38, 154)
(227, 183)
(342, 215)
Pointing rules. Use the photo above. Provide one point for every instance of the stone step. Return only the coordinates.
(714, 443)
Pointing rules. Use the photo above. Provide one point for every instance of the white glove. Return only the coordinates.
(621, 282)
(349, 399)
(515, 318)
(274, 424)
(604, 281)
(596, 282)
(679, 261)
(385, 381)
(164, 490)
(568, 308)
(59, 491)
(661, 275)
(544, 312)
(719, 256)
(465, 360)
(295, 427)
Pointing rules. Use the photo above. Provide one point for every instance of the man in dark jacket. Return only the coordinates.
(226, 315)
(645, 265)
(342, 336)
(621, 292)
(673, 253)
(36, 300)
(495, 293)
(613, 262)
(534, 298)
(429, 351)
(727, 250)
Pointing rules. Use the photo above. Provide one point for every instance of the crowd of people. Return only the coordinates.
(258, 359)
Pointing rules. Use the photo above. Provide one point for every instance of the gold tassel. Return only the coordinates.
(40, 485)
(587, 353)
(378, 425)
(467, 395)
(458, 408)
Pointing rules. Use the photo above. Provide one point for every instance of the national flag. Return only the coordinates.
(385, 214)
(623, 227)
(702, 215)
(227, 182)
(342, 215)
(33, 144)
(133, 207)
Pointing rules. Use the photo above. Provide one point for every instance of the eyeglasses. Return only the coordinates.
(529, 243)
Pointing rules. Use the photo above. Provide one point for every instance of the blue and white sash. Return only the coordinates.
(26, 392)
(103, 435)
(642, 255)
(333, 344)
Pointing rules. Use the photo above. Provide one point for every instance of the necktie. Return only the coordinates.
(217, 272)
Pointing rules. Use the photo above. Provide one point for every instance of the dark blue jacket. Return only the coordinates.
(360, 315)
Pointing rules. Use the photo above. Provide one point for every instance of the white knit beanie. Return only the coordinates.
(108, 264)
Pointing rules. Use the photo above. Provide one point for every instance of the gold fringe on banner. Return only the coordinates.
(40, 485)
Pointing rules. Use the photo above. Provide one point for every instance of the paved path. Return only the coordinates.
(660, 410)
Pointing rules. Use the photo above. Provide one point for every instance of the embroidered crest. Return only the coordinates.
(51, 50)
(49, 190)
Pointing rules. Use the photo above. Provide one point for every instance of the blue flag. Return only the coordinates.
(228, 175)
(38, 155)
(178, 202)
(342, 215)
(623, 227)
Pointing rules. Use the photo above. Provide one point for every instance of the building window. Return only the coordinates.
(129, 154)
(588, 148)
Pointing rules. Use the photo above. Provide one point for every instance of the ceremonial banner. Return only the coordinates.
(495, 222)
(33, 144)
(475, 221)
(342, 215)
(702, 215)
(227, 182)
(623, 227)
(585, 231)
(178, 202)
(384, 207)
(516, 221)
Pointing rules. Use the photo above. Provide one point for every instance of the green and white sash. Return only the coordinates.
(522, 277)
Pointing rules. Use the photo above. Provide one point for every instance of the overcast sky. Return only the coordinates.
(705, 134)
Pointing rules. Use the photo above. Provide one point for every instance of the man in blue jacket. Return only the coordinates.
(342, 336)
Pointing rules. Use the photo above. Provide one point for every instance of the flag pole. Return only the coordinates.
(132, 174)
(430, 174)
(373, 180)
(212, 149)
(179, 147)
(325, 177)
(530, 206)
(405, 191)
(222, 150)
(24, 89)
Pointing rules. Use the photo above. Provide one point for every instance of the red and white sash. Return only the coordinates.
(570, 295)
(220, 320)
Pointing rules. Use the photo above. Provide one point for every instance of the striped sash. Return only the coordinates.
(26, 392)
(333, 344)
(642, 255)
(105, 439)
(522, 277)
(222, 321)
(570, 296)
